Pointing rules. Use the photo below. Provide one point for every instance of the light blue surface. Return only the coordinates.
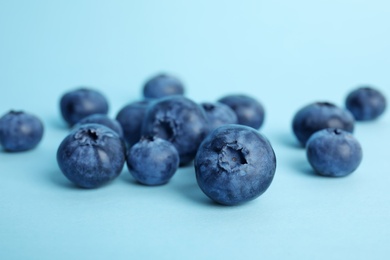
(285, 53)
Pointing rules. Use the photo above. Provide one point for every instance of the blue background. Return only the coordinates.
(284, 53)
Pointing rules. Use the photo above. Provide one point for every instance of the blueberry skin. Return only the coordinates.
(20, 131)
(249, 111)
(318, 116)
(81, 103)
(91, 155)
(131, 118)
(178, 120)
(162, 86)
(234, 164)
(366, 103)
(333, 152)
(152, 161)
(218, 114)
(102, 119)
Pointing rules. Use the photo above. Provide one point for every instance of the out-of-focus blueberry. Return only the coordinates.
(178, 120)
(218, 114)
(249, 111)
(20, 131)
(102, 119)
(333, 152)
(318, 116)
(366, 103)
(163, 85)
(131, 118)
(234, 164)
(91, 155)
(152, 161)
(81, 103)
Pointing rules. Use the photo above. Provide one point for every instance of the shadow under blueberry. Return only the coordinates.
(60, 180)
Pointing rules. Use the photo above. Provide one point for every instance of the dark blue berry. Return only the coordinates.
(152, 161)
(162, 86)
(20, 131)
(318, 116)
(80, 103)
(91, 155)
(234, 164)
(218, 114)
(131, 118)
(102, 119)
(249, 111)
(178, 120)
(366, 103)
(333, 152)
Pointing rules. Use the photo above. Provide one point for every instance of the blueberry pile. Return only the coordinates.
(233, 161)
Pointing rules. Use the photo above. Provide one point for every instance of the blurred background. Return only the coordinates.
(284, 53)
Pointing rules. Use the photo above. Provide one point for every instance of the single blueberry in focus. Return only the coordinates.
(333, 152)
(162, 86)
(91, 155)
(131, 118)
(318, 116)
(249, 111)
(366, 103)
(218, 114)
(20, 131)
(178, 120)
(234, 164)
(102, 119)
(152, 161)
(81, 103)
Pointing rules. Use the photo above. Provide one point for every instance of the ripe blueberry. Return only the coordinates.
(320, 115)
(130, 118)
(162, 86)
(81, 103)
(366, 103)
(333, 152)
(152, 161)
(102, 119)
(249, 111)
(234, 164)
(218, 114)
(20, 131)
(178, 120)
(91, 155)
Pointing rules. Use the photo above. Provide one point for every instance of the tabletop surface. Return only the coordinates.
(286, 54)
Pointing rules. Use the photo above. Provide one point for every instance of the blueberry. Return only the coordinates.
(20, 131)
(366, 103)
(91, 155)
(162, 86)
(320, 115)
(178, 120)
(130, 118)
(102, 119)
(249, 111)
(81, 103)
(152, 161)
(333, 152)
(234, 164)
(218, 114)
